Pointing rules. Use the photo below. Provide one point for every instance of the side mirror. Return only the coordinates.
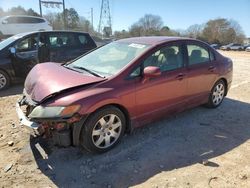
(151, 72)
(4, 22)
(12, 50)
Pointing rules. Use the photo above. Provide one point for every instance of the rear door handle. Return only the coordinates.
(180, 76)
(211, 68)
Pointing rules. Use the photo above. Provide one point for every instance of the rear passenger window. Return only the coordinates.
(33, 20)
(82, 39)
(85, 41)
(197, 54)
(62, 40)
(12, 20)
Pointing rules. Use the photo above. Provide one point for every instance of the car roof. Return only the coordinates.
(154, 40)
(55, 31)
(23, 16)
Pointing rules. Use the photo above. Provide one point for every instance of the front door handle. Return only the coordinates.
(180, 76)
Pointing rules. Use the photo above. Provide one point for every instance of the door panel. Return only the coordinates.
(164, 94)
(202, 73)
(26, 56)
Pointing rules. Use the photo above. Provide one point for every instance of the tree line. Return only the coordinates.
(221, 31)
(72, 18)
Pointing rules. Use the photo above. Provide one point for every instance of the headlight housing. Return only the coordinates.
(41, 112)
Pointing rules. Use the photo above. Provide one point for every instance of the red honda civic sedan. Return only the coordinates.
(92, 101)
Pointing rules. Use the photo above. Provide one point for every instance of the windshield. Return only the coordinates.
(8, 41)
(110, 59)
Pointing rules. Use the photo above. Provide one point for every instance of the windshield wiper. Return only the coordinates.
(89, 71)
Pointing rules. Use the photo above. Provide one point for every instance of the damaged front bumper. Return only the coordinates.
(33, 127)
(50, 122)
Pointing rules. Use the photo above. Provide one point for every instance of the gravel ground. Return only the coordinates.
(197, 148)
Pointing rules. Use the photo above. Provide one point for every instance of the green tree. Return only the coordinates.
(72, 18)
(17, 11)
(2, 13)
(121, 34)
(56, 20)
(147, 25)
(166, 31)
(223, 31)
(136, 30)
(31, 12)
(85, 25)
(194, 31)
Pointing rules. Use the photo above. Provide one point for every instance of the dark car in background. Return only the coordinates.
(215, 46)
(120, 86)
(232, 46)
(19, 53)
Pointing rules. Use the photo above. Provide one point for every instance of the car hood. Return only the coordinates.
(47, 79)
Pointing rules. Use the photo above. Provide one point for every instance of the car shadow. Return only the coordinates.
(191, 137)
(12, 90)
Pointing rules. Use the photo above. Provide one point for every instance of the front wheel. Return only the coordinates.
(217, 94)
(103, 130)
(4, 80)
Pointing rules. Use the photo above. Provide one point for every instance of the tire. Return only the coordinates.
(103, 130)
(4, 80)
(217, 94)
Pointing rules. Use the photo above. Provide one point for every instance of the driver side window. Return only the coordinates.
(28, 44)
(167, 58)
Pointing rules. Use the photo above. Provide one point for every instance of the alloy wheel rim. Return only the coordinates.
(106, 131)
(218, 94)
(3, 81)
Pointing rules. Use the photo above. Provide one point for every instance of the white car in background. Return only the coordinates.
(248, 49)
(12, 25)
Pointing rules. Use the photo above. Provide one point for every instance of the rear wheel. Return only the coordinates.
(217, 94)
(103, 130)
(4, 80)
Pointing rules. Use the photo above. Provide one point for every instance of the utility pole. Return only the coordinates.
(92, 19)
(105, 27)
(40, 6)
(64, 16)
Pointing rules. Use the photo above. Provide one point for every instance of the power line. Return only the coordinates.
(53, 4)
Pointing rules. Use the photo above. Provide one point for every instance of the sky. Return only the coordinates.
(176, 14)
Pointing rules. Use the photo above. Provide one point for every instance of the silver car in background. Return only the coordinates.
(232, 46)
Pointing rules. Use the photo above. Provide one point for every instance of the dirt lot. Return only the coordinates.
(198, 148)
